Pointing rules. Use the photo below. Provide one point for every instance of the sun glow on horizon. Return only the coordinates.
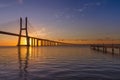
(23, 41)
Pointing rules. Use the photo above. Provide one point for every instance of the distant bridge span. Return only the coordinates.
(44, 42)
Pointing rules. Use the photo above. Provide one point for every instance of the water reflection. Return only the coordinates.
(57, 63)
(23, 56)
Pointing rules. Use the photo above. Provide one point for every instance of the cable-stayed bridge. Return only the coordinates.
(30, 40)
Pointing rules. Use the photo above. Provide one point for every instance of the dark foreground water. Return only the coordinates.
(57, 63)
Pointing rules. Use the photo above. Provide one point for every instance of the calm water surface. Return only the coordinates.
(57, 63)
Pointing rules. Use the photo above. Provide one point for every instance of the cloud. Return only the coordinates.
(4, 5)
(88, 5)
(80, 10)
(20, 1)
(98, 3)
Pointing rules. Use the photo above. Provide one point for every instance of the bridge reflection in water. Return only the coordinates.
(23, 57)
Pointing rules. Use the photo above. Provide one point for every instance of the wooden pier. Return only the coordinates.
(104, 47)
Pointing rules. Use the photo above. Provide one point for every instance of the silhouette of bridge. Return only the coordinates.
(32, 41)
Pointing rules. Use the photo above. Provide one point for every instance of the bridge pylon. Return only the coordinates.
(26, 33)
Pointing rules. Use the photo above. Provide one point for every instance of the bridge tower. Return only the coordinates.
(26, 32)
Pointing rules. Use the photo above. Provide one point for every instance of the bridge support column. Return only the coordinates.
(37, 42)
(57, 43)
(50, 43)
(32, 42)
(42, 43)
(47, 43)
(54, 43)
(26, 32)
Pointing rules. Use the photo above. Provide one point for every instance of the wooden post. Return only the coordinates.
(119, 50)
(97, 48)
(105, 49)
(112, 49)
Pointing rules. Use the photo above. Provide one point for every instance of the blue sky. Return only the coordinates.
(66, 19)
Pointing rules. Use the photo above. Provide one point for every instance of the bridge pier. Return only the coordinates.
(52, 43)
(26, 32)
(37, 42)
(58, 44)
(31, 41)
(55, 43)
(34, 42)
(48, 43)
(42, 43)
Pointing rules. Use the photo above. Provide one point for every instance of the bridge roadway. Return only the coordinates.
(44, 42)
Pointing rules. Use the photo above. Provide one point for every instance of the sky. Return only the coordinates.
(64, 19)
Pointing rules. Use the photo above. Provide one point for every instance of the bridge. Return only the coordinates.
(30, 40)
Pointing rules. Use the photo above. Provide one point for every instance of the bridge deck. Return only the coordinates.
(14, 34)
(54, 42)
